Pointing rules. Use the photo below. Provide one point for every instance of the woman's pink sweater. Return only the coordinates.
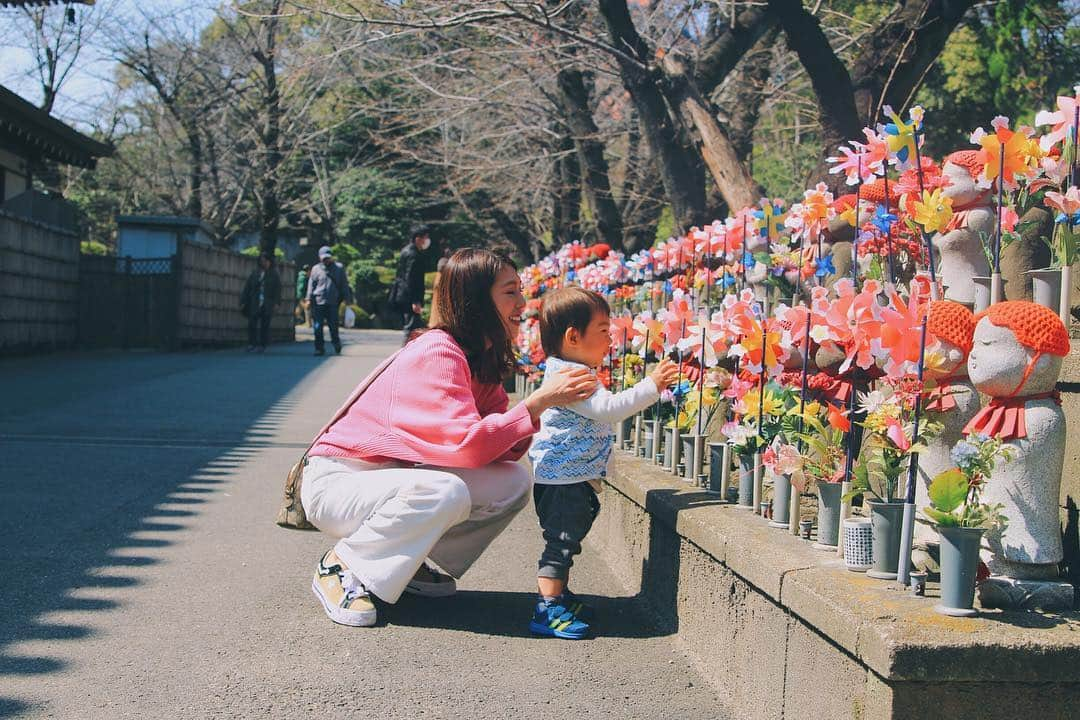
(427, 409)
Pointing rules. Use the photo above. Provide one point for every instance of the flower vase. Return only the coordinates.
(982, 293)
(747, 460)
(858, 544)
(687, 454)
(828, 516)
(1046, 288)
(959, 566)
(668, 449)
(716, 466)
(886, 519)
(649, 444)
(781, 501)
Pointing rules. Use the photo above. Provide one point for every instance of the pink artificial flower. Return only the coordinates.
(895, 432)
(1009, 218)
(1061, 120)
(1067, 202)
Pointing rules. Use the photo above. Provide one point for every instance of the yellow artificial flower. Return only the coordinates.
(934, 212)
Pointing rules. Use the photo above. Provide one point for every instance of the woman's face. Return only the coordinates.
(509, 302)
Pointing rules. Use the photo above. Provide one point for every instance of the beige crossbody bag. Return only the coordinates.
(291, 514)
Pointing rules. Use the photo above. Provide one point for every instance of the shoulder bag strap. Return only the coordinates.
(354, 397)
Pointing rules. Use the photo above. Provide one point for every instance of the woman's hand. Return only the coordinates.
(568, 386)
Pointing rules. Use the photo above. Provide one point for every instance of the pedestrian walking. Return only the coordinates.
(302, 305)
(407, 291)
(261, 294)
(420, 477)
(327, 289)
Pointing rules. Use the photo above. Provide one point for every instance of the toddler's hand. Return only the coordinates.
(664, 374)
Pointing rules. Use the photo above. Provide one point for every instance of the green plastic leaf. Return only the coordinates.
(949, 490)
(939, 518)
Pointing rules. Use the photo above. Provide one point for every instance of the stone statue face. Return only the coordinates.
(997, 362)
(962, 189)
(944, 359)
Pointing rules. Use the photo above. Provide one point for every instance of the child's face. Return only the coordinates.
(591, 347)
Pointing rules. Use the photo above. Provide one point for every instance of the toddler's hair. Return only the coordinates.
(569, 307)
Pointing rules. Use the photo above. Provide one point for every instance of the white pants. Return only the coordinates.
(389, 518)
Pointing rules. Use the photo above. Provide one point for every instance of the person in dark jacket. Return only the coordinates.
(327, 289)
(407, 295)
(261, 294)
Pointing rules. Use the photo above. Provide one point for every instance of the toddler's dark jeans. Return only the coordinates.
(566, 514)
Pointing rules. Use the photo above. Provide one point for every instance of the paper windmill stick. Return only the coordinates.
(888, 232)
(926, 236)
(913, 474)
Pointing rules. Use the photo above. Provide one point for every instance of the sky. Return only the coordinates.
(85, 95)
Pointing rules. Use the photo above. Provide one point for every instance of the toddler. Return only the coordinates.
(570, 453)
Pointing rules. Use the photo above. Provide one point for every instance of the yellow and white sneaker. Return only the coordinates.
(343, 597)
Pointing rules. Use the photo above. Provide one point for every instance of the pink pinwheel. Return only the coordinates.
(854, 323)
(1067, 203)
(901, 334)
(760, 347)
(678, 316)
(715, 342)
(855, 164)
(1061, 120)
(622, 331)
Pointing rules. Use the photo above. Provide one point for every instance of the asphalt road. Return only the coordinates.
(141, 573)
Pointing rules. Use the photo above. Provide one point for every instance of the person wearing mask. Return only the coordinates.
(327, 289)
(407, 292)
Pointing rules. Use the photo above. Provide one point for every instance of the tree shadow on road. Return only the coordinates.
(106, 457)
(506, 614)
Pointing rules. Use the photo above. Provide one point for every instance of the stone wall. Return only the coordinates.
(783, 631)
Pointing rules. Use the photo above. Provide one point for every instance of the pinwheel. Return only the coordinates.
(1008, 152)
(1062, 120)
(901, 333)
(758, 346)
(934, 212)
(853, 321)
(623, 330)
(676, 318)
(855, 164)
(811, 217)
(883, 220)
(769, 219)
(715, 342)
(651, 329)
(900, 137)
(1067, 204)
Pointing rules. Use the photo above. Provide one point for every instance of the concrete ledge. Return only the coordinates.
(785, 631)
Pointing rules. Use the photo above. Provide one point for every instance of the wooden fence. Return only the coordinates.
(39, 285)
(211, 280)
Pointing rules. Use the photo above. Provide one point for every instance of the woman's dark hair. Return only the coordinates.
(468, 313)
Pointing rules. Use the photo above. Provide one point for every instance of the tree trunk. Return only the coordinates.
(729, 172)
(680, 169)
(269, 200)
(566, 200)
(575, 101)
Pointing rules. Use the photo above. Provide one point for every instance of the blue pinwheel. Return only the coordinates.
(883, 220)
(825, 266)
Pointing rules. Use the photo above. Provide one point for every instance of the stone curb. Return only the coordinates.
(897, 636)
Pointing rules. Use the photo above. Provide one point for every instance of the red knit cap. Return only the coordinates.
(875, 192)
(970, 160)
(1035, 326)
(844, 202)
(952, 322)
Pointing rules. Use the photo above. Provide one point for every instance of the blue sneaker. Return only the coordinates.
(576, 605)
(553, 619)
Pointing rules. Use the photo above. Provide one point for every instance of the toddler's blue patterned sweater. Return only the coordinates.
(574, 442)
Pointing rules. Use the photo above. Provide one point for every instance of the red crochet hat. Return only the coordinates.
(1035, 326)
(952, 322)
(970, 160)
(875, 192)
(844, 202)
